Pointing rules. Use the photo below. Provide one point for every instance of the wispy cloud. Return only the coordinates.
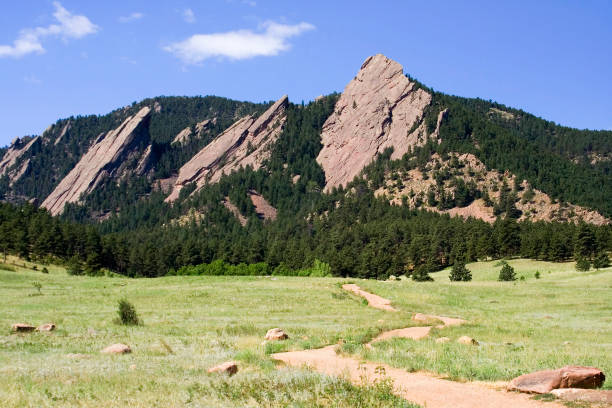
(31, 79)
(238, 45)
(69, 26)
(132, 17)
(189, 16)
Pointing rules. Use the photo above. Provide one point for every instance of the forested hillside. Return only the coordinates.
(478, 180)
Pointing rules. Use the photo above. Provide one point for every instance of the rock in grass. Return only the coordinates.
(442, 340)
(542, 382)
(579, 394)
(22, 328)
(467, 341)
(230, 368)
(276, 334)
(47, 327)
(118, 348)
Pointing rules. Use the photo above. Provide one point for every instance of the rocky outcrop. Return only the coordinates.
(246, 143)
(185, 135)
(16, 150)
(104, 158)
(379, 108)
(263, 209)
(47, 327)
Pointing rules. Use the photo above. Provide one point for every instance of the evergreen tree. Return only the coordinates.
(583, 264)
(459, 273)
(506, 273)
(601, 260)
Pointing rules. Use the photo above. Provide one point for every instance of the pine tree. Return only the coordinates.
(582, 263)
(506, 274)
(601, 261)
(459, 273)
(421, 273)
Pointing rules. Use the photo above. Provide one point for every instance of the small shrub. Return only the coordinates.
(506, 274)
(37, 285)
(460, 273)
(127, 314)
(537, 275)
(522, 278)
(45, 270)
(583, 264)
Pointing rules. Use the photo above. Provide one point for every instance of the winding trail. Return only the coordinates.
(421, 388)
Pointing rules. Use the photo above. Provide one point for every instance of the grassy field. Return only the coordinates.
(193, 323)
(190, 324)
(563, 318)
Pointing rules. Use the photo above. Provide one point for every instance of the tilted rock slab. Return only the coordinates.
(105, 156)
(17, 149)
(378, 109)
(246, 143)
(183, 136)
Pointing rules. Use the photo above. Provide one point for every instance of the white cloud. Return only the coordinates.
(189, 16)
(132, 17)
(30, 39)
(238, 45)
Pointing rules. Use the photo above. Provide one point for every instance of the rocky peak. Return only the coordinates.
(378, 109)
(245, 143)
(104, 158)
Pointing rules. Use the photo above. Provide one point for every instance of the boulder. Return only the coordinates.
(22, 328)
(118, 348)
(581, 377)
(442, 340)
(542, 382)
(276, 334)
(47, 327)
(467, 341)
(577, 394)
(230, 368)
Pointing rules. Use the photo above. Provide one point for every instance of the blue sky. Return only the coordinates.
(57, 59)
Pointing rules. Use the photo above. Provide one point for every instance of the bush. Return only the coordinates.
(45, 270)
(127, 314)
(582, 264)
(460, 273)
(537, 275)
(506, 274)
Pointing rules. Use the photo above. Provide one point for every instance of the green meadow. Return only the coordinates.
(193, 323)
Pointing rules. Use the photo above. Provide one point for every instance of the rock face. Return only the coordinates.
(184, 135)
(263, 209)
(542, 382)
(276, 334)
(17, 149)
(117, 349)
(379, 108)
(245, 143)
(22, 328)
(103, 159)
(230, 368)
